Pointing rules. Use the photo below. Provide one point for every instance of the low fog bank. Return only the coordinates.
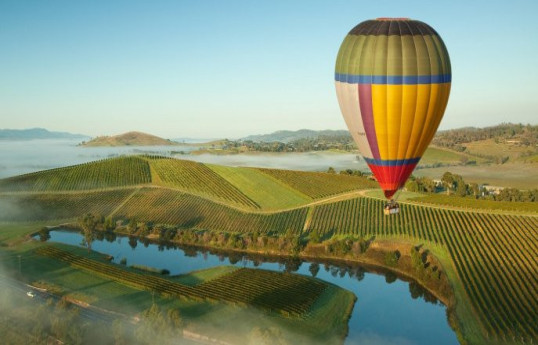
(22, 157)
(39, 318)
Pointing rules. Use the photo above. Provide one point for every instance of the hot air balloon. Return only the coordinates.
(392, 80)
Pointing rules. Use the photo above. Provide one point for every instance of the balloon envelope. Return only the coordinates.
(392, 80)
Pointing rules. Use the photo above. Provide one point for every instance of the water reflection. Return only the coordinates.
(389, 309)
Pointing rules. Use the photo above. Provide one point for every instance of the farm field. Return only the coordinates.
(490, 257)
(65, 270)
(266, 191)
(434, 155)
(489, 147)
(474, 204)
(516, 175)
(114, 172)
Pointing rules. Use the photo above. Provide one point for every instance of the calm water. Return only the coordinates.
(21, 157)
(385, 313)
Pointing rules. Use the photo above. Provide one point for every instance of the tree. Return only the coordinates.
(314, 236)
(391, 258)
(331, 170)
(412, 186)
(448, 181)
(88, 223)
(133, 224)
(475, 189)
(314, 269)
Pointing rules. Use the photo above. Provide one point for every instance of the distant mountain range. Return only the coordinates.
(36, 133)
(288, 136)
(129, 139)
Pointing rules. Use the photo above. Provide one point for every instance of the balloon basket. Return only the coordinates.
(391, 207)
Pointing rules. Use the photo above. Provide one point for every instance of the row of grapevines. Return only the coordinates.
(494, 255)
(284, 293)
(30, 207)
(318, 185)
(114, 172)
(186, 210)
(197, 178)
(291, 293)
(469, 202)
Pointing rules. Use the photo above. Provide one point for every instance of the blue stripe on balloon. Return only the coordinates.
(391, 163)
(393, 79)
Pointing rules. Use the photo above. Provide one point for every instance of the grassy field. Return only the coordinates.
(490, 257)
(265, 190)
(319, 185)
(199, 179)
(435, 155)
(399, 196)
(489, 147)
(516, 175)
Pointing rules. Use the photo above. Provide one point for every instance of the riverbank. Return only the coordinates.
(429, 274)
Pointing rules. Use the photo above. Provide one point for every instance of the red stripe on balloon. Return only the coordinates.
(392, 178)
(367, 114)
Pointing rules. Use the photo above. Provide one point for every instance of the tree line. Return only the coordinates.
(454, 184)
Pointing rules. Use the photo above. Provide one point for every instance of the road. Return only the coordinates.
(89, 313)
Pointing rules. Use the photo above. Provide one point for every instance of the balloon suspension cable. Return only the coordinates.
(397, 195)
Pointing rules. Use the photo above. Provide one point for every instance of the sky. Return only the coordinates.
(228, 69)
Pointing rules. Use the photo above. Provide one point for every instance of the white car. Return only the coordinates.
(30, 294)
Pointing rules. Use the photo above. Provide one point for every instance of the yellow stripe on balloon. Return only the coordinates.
(406, 117)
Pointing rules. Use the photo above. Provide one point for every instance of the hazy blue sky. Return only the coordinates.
(232, 68)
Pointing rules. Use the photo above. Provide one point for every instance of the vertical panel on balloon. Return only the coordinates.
(421, 112)
(409, 111)
(379, 110)
(365, 102)
(444, 92)
(348, 99)
(438, 98)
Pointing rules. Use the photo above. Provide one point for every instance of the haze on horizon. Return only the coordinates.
(217, 69)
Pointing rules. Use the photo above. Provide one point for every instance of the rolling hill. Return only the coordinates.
(129, 139)
(36, 133)
(488, 255)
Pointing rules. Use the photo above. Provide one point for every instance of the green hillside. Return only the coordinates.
(489, 256)
(114, 172)
(266, 191)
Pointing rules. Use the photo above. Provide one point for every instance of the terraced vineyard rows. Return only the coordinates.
(115, 172)
(319, 185)
(171, 207)
(29, 207)
(495, 255)
(291, 293)
(198, 179)
(468, 202)
(287, 294)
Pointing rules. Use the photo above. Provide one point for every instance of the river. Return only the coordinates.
(387, 312)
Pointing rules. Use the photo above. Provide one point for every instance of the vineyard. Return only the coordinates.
(494, 255)
(197, 178)
(319, 185)
(186, 210)
(265, 190)
(42, 206)
(114, 172)
(471, 203)
(283, 293)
